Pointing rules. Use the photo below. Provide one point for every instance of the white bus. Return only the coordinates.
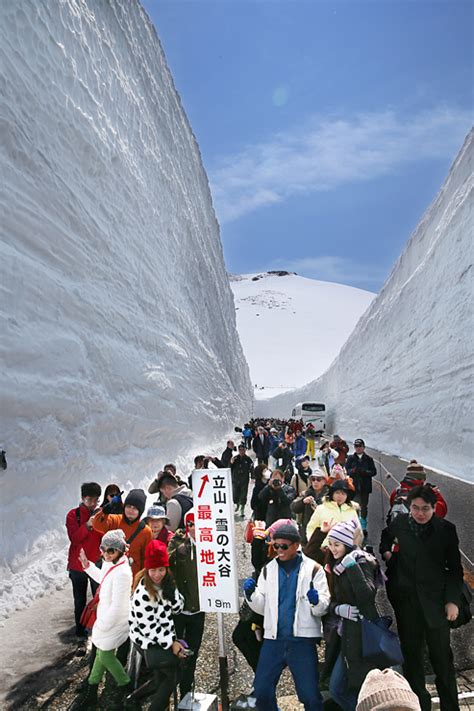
(311, 413)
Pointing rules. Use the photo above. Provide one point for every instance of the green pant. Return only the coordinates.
(107, 661)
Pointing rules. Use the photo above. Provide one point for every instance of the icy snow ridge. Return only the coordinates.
(119, 343)
(291, 327)
(404, 378)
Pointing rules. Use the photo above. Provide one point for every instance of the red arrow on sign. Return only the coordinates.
(204, 481)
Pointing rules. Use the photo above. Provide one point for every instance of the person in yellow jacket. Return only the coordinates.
(335, 508)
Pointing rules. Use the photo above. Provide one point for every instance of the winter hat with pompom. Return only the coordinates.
(156, 555)
(114, 539)
(386, 690)
(415, 471)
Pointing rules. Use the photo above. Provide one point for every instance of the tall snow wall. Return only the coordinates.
(404, 378)
(119, 343)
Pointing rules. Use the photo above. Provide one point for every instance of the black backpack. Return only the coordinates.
(186, 502)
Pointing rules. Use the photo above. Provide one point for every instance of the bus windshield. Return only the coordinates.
(313, 407)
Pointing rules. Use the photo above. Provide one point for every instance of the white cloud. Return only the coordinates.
(329, 151)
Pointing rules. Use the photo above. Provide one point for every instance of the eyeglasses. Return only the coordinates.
(108, 550)
(282, 546)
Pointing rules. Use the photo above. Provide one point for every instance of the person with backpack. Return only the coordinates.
(292, 595)
(137, 533)
(110, 629)
(424, 586)
(416, 476)
(354, 577)
(178, 499)
(82, 535)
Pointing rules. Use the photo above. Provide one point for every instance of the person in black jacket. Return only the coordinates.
(241, 467)
(282, 453)
(261, 446)
(275, 498)
(361, 468)
(424, 586)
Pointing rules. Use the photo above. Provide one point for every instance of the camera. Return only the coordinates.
(276, 483)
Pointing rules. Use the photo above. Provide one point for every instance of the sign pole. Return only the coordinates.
(216, 556)
(223, 664)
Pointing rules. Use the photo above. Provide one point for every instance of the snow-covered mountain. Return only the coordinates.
(404, 378)
(292, 328)
(119, 341)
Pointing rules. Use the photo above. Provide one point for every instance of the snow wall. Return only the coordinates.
(119, 344)
(404, 378)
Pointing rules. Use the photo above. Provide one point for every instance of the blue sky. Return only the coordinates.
(326, 128)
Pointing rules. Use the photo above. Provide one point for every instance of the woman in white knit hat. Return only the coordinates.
(353, 574)
(386, 690)
(110, 628)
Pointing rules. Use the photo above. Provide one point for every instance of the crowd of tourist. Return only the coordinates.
(312, 587)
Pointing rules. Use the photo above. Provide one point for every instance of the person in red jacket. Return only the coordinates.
(416, 476)
(82, 535)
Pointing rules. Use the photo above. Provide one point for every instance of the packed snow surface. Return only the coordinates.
(292, 328)
(404, 378)
(119, 343)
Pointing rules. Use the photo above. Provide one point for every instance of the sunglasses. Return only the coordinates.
(282, 546)
(109, 550)
(190, 524)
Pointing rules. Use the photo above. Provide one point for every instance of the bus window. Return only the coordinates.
(313, 407)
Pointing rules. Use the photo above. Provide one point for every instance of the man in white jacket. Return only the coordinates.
(292, 594)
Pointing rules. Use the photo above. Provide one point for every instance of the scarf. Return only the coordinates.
(419, 530)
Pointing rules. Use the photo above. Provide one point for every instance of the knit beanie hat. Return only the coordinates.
(279, 522)
(415, 470)
(137, 498)
(90, 488)
(156, 555)
(386, 690)
(287, 531)
(344, 532)
(189, 517)
(114, 539)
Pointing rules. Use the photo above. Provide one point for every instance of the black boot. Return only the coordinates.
(86, 700)
(115, 700)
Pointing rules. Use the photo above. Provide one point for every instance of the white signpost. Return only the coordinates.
(215, 540)
(216, 558)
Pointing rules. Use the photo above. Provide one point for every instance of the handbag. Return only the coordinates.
(464, 616)
(380, 646)
(248, 531)
(89, 613)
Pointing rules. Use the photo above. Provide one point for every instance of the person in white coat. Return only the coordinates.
(292, 595)
(111, 628)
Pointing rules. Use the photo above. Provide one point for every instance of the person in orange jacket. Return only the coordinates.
(137, 533)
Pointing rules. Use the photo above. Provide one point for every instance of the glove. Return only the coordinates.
(348, 561)
(349, 612)
(249, 586)
(312, 595)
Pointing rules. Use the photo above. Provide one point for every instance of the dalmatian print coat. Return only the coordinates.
(151, 621)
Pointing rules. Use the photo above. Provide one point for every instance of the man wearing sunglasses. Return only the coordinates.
(292, 595)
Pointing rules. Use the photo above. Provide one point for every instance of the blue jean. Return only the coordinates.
(301, 658)
(338, 686)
